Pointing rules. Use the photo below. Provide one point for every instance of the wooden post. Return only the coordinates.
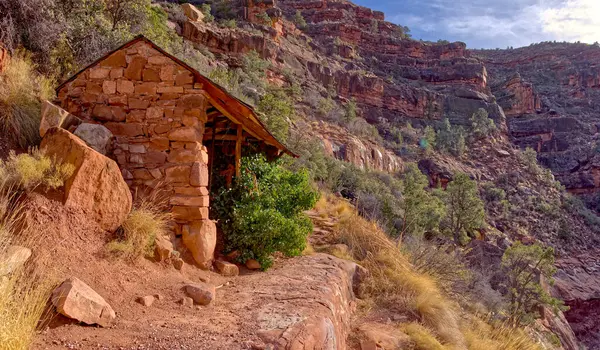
(238, 151)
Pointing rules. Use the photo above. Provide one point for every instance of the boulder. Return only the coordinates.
(202, 293)
(192, 12)
(76, 300)
(56, 117)
(163, 247)
(187, 301)
(226, 268)
(178, 263)
(96, 185)
(13, 258)
(200, 237)
(96, 136)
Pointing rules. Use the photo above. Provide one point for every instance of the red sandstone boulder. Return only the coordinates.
(200, 237)
(78, 301)
(96, 185)
(226, 268)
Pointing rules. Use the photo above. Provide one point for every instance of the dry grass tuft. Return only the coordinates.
(481, 335)
(394, 283)
(147, 220)
(25, 290)
(422, 337)
(21, 90)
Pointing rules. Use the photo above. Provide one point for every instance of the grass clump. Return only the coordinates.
(21, 90)
(147, 220)
(24, 289)
(394, 283)
(482, 335)
(422, 337)
(27, 171)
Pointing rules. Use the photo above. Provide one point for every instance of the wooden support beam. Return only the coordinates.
(220, 137)
(238, 151)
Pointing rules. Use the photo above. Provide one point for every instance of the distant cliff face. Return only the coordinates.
(551, 94)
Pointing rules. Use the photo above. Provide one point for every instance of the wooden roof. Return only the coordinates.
(233, 108)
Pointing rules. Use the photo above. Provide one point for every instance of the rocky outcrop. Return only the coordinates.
(192, 12)
(339, 144)
(96, 185)
(551, 103)
(295, 315)
(76, 300)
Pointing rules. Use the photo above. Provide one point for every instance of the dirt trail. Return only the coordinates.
(299, 301)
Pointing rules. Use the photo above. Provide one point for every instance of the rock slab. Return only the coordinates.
(76, 300)
(200, 237)
(53, 116)
(96, 185)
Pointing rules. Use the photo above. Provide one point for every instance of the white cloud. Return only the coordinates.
(574, 20)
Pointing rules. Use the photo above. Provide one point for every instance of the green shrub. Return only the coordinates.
(465, 209)
(262, 213)
(326, 106)
(229, 23)
(528, 158)
(264, 18)
(481, 125)
(523, 264)
(492, 193)
(451, 139)
(30, 170)
(350, 110)
(206, 11)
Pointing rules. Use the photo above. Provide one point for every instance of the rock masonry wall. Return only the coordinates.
(157, 112)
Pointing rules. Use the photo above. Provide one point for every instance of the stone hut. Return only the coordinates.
(169, 124)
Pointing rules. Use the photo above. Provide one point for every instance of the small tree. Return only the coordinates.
(481, 125)
(465, 209)
(350, 110)
(299, 20)
(451, 139)
(529, 158)
(525, 266)
(422, 210)
(278, 109)
(428, 140)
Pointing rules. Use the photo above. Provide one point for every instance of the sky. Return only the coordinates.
(494, 23)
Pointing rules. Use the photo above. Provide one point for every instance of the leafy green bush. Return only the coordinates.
(451, 139)
(481, 125)
(262, 213)
(428, 141)
(30, 170)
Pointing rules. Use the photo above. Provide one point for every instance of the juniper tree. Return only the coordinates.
(465, 210)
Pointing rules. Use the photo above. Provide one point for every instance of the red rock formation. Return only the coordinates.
(520, 97)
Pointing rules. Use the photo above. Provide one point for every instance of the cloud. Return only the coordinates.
(575, 20)
(484, 23)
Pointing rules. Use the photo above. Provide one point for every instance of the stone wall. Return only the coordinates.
(157, 112)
